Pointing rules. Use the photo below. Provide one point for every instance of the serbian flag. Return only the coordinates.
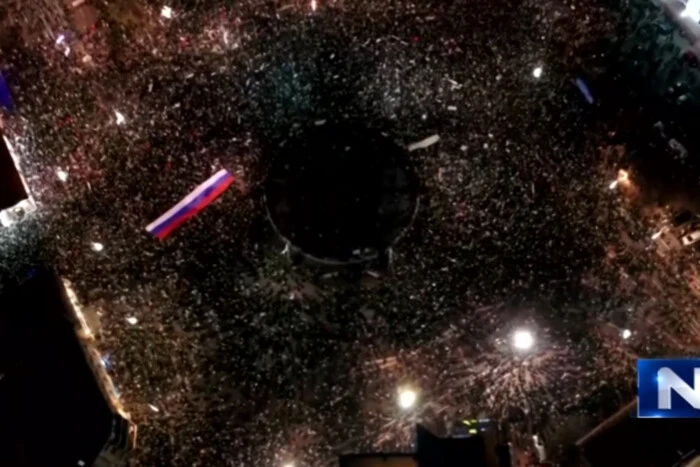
(197, 200)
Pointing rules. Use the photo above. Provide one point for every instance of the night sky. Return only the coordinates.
(252, 356)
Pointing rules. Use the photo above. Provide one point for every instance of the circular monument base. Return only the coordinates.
(340, 193)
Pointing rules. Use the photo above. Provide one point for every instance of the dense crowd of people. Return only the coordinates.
(227, 353)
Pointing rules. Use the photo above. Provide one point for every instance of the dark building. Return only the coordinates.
(482, 448)
(11, 186)
(624, 439)
(57, 405)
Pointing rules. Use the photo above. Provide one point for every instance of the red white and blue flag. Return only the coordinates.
(197, 200)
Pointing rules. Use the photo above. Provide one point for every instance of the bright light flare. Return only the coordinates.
(60, 39)
(692, 10)
(626, 333)
(120, 118)
(407, 398)
(289, 464)
(97, 246)
(613, 184)
(537, 72)
(153, 408)
(166, 12)
(132, 320)
(623, 176)
(314, 5)
(523, 339)
(62, 175)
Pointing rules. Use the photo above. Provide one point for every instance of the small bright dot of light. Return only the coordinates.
(626, 333)
(537, 72)
(97, 246)
(132, 320)
(153, 408)
(313, 5)
(407, 398)
(62, 175)
(613, 184)
(623, 176)
(523, 340)
(120, 118)
(166, 12)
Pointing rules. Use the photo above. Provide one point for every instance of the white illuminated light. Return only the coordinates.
(62, 175)
(313, 5)
(613, 184)
(120, 118)
(407, 398)
(289, 464)
(692, 10)
(132, 320)
(626, 333)
(523, 340)
(153, 408)
(97, 246)
(166, 12)
(73, 299)
(537, 72)
(60, 39)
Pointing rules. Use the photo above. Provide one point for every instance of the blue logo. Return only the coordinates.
(668, 388)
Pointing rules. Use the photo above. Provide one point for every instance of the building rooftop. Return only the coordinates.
(54, 408)
(623, 439)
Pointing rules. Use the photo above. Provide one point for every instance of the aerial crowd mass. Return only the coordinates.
(227, 352)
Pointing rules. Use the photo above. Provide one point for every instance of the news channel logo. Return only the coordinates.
(668, 388)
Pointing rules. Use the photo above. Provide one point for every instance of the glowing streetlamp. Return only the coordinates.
(537, 72)
(523, 339)
(626, 334)
(407, 398)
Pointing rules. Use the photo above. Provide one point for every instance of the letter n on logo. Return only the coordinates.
(668, 388)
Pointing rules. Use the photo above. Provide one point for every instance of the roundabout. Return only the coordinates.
(340, 193)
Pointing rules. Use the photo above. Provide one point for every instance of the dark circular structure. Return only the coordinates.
(340, 193)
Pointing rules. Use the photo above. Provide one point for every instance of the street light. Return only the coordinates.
(523, 339)
(626, 333)
(166, 12)
(407, 398)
